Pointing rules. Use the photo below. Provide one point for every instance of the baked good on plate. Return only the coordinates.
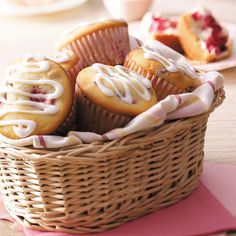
(202, 37)
(36, 97)
(105, 41)
(109, 97)
(162, 28)
(168, 70)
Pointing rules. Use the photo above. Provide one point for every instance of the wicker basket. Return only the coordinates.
(95, 187)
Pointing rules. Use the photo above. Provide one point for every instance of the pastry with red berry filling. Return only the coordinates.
(36, 98)
(202, 37)
(163, 29)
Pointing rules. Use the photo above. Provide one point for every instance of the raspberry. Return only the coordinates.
(173, 24)
(196, 16)
(158, 24)
(37, 90)
(216, 41)
(209, 21)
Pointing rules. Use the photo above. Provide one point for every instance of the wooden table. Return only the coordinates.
(20, 35)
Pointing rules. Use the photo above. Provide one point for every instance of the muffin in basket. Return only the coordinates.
(202, 37)
(105, 41)
(162, 28)
(35, 98)
(67, 59)
(168, 70)
(110, 96)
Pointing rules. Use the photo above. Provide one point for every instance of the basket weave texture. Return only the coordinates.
(95, 187)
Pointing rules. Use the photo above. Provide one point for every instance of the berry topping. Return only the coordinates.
(196, 16)
(37, 90)
(162, 23)
(173, 24)
(216, 41)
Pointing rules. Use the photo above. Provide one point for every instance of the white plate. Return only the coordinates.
(135, 30)
(10, 9)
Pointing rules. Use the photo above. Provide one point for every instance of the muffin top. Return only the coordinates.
(116, 89)
(66, 58)
(35, 97)
(165, 62)
(83, 29)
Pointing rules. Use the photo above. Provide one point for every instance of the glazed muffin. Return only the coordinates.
(105, 41)
(67, 59)
(109, 97)
(35, 98)
(168, 70)
(202, 37)
(162, 28)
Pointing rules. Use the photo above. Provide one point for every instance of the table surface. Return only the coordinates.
(20, 35)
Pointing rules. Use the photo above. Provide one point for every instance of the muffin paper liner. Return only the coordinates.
(108, 46)
(162, 87)
(72, 73)
(70, 122)
(93, 118)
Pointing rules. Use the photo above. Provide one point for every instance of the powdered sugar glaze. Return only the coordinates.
(61, 57)
(129, 80)
(172, 60)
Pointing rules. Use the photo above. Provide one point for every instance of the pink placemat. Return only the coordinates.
(220, 179)
(201, 213)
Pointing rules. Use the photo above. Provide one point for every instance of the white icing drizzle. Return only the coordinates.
(122, 75)
(61, 57)
(173, 61)
(32, 64)
(58, 88)
(23, 128)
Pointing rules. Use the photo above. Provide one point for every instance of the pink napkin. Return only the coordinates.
(199, 214)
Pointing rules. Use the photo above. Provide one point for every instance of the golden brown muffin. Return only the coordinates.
(105, 41)
(168, 71)
(111, 96)
(36, 98)
(67, 59)
(202, 37)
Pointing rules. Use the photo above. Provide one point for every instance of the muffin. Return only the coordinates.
(168, 70)
(202, 37)
(35, 98)
(67, 59)
(109, 97)
(162, 28)
(105, 41)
